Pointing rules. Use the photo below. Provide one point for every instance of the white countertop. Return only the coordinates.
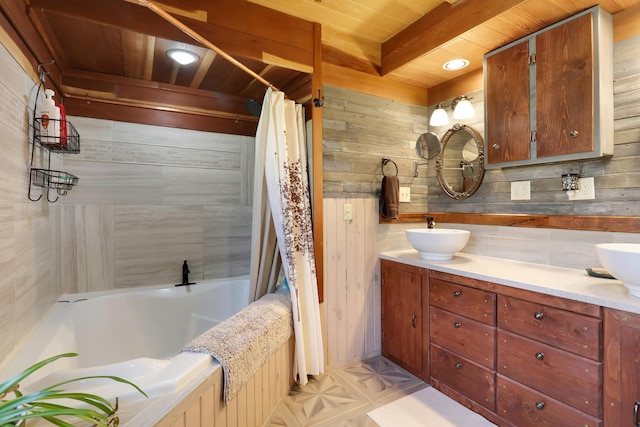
(558, 281)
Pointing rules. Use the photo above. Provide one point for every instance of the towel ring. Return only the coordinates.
(385, 161)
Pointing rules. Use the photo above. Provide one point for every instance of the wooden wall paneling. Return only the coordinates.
(372, 338)
(353, 286)
(317, 191)
(630, 224)
(251, 407)
(336, 265)
(343, 77)
(625, 24)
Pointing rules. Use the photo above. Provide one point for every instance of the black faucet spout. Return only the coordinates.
(430, 221)
(185, 275)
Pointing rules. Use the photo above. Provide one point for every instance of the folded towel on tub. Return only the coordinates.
(243, 342)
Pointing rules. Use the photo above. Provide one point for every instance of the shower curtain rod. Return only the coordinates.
(191, 33)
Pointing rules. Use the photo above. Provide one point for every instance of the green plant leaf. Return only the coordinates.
(110, 377)
(7, 385)
(91, 399)
(38, 404)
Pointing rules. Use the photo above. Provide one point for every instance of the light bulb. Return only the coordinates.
(182, 57)
(439, 117)
(463, 110)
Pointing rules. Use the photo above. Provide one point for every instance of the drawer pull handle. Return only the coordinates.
(457, 324)
(458, 365)
(457, 293)
(573, 133)
(413, 320)
(540, 405)
(539, 316)
(495, 147)
(636, 413)
(540, 356)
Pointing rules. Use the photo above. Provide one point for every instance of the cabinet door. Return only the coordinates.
(507, 123)
(564, 89)
(621, 368)
(402, 317)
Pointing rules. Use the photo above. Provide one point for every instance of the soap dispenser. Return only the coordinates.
(49, 120)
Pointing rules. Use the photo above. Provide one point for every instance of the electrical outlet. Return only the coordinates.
(521, 190)
(348, 212)
(586, 190)
(405, 194)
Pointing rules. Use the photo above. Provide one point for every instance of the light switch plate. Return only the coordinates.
(405, 194)
(521, 190)
(348, 212)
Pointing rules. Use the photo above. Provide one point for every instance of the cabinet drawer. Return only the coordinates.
(469, 338)
(525, 407)
(469, 378)
(565, 376)
(472, 303)
(567, 330)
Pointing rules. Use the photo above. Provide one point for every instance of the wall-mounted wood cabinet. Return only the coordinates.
(549, 96)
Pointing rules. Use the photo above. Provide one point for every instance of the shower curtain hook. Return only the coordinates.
(317, 102)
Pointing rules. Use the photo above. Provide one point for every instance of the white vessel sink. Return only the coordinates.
(622, 260)
(437, 243)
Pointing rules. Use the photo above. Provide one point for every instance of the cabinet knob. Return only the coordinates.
(457, 324)
(636, 414)
(413, 320)
(495, 146)
(540, 356)
(573, 133)
(458, 365)
(539, 316)
(457, 293)
(540, 405)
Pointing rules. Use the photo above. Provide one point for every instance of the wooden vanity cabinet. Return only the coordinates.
(621, 368)
(547, 97)
(463, 339)
(518, 358)
(525, 358)
(405, 318)
(548, 361)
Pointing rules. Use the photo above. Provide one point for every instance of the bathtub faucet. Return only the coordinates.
(185, 275)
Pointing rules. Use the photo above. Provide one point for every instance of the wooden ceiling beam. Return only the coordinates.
(147, 114)
(436, 28)
(238, 27)
(121, 89)
(20, 28)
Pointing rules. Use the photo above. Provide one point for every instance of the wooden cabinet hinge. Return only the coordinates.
(532, 59)
(532, 137)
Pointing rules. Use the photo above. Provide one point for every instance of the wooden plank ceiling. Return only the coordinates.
(110, 56)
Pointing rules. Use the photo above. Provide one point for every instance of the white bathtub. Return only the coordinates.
(135, 333)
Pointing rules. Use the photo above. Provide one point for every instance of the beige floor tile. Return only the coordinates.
(342, 397)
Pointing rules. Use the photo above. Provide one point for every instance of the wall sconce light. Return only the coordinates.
(570, 183)
(462, 108)
(439, 116)
(182, 56)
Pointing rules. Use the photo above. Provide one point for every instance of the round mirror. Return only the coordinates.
(428, 146)
(460, 166)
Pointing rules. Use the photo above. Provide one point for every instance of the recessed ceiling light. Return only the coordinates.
(455, 64)
(182, 57)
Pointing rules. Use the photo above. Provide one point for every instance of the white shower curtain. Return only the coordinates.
(281, 168)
